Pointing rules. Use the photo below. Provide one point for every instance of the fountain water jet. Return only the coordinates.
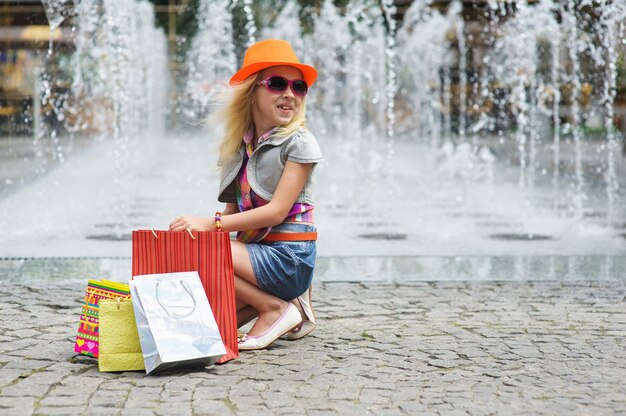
(430, 140)
(210, 60)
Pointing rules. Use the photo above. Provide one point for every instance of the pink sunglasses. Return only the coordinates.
(278, 84)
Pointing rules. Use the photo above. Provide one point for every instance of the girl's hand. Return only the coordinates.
(191, 223)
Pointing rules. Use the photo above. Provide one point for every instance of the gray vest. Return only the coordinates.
(267, 163)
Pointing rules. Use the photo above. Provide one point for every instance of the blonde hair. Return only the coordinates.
(237, 116)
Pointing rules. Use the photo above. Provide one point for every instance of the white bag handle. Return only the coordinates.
(188, 290)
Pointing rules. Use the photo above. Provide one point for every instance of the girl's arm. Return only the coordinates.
(231, 208)
(289, 187)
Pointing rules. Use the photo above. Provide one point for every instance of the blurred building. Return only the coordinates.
(25, 39)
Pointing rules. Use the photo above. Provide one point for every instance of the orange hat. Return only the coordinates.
(271, 52)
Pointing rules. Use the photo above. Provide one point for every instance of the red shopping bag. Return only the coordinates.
(208, 253)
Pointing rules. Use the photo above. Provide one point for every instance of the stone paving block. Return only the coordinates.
(176, 396)
(213, 407)
(61, 410)
(178, 409)
(210, 393)
(140, 380)
(15, 347)
(15, 324)
(244, 401)
(34, 385)
(296, 377)
(458, 411)
(116, 384)
(345, 392)
(23, 333)
(57, 400)
(374, 396)
(249, 387)
(181, 383)
(112, 398)
(65, 367)
(321, 412)
(350, 408)
(440, 407)
(49, 336)
(312, 391)
(287, 410)
(140, 402)
(15, 405)
(276, 400)
(77, 386)
(102, 411)
(10, 375)
(143, 391)
(412, 408)
(445, 364)
(54, 349)
(137, 411)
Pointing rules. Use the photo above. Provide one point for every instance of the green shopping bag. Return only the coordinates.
(120, 349)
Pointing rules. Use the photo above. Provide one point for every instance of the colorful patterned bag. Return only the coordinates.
(87, 338)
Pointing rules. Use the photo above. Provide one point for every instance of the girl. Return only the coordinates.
(267, 161)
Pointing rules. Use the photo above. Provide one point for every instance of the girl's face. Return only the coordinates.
(271, 109)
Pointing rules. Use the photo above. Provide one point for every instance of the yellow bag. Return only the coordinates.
(120, 349)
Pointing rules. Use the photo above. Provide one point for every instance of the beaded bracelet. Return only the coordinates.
(218, 220)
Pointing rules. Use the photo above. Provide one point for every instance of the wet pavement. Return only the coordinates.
(474, 348)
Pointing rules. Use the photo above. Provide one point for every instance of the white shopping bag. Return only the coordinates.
(174, 320)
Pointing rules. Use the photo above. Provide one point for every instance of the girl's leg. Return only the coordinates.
(245, 312)
(247, 290)
(245, 315)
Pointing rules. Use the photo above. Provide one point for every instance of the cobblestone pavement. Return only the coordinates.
(425, 348)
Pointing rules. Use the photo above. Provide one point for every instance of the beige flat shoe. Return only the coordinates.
(308, 324)
(285, 323)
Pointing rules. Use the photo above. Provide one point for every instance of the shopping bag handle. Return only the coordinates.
(188, 230)
(188, 290)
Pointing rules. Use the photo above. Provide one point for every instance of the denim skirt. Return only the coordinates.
(284, 268)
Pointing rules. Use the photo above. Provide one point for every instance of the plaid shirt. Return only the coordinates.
(247, 199)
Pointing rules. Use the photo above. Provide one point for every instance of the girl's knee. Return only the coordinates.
(241, 261)
(239, 251)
